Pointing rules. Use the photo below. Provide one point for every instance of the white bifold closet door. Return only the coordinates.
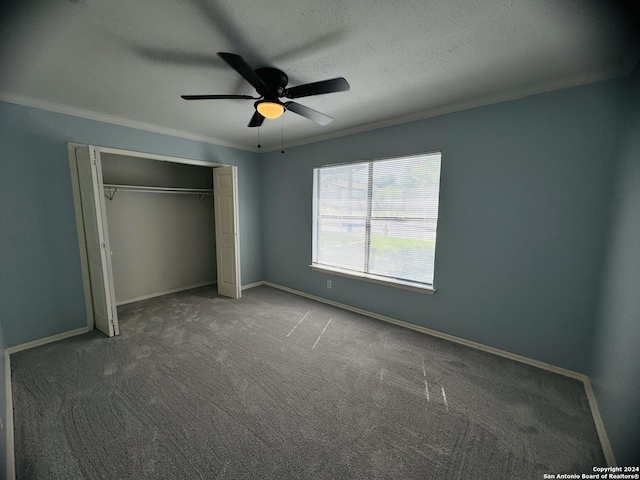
(97, 240)
(225, 202)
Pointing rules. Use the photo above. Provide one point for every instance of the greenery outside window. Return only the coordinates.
(378, 219)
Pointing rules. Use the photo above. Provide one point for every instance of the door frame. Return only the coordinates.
(82, 243)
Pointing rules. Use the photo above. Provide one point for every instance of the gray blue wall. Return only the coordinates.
(40, 278)
(617, 378)
(526, 188)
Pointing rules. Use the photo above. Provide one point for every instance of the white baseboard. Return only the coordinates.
(10, 452)
(597, 419)
(145, 297)
(166, 292)
(252, 285)
(602, 434)
(44, 341)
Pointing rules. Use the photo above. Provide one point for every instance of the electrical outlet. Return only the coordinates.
(328, 283)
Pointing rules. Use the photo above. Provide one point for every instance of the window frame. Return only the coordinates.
(356, 274)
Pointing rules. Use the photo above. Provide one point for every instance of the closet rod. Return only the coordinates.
(111, 189)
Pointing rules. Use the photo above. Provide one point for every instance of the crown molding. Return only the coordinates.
(123, 122)
(546, 87)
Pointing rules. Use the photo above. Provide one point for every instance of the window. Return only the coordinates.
(377, 220)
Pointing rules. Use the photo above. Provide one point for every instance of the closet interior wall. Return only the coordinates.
(161, 241)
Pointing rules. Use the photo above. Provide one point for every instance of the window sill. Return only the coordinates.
(413, 286)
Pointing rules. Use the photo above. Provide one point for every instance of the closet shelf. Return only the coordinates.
(111, 189)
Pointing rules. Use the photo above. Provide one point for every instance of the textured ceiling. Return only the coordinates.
(404, 59)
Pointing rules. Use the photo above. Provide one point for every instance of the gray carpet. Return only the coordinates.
(276, 386)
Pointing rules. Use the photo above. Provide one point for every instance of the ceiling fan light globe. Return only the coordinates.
(270, 109)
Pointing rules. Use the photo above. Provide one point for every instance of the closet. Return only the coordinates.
(161, 226)
(151, 224)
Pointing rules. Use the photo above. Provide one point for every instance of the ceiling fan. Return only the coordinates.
(271, 85)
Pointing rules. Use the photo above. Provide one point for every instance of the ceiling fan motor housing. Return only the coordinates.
(276, 80)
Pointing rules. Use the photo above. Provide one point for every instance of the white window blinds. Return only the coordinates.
(379, 217)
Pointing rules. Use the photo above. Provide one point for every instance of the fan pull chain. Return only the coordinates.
(282, 135)
(259, 146)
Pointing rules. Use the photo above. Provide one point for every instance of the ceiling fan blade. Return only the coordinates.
(310, 113)
(218, 97)
(256, 120)
(318, 88)
(239, 65)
